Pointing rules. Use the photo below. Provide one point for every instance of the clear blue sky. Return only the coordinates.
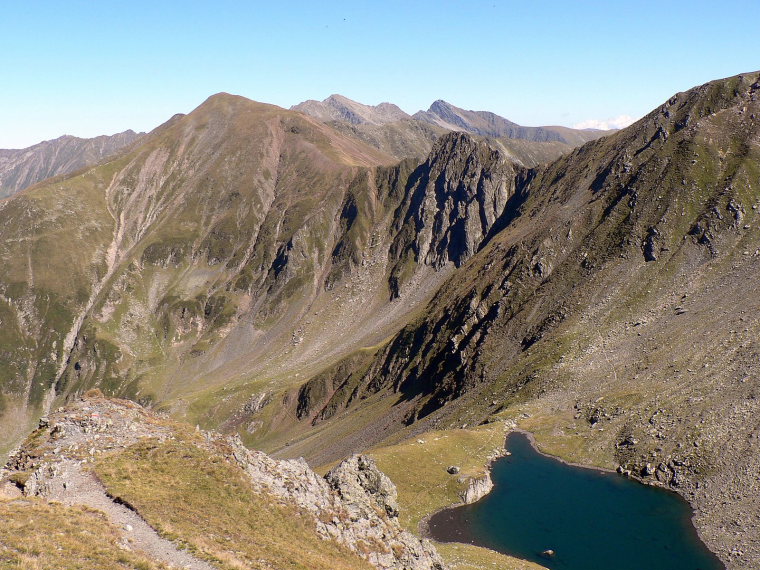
(88, 68)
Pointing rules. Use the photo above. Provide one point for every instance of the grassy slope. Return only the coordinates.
(207, 505)
(418, 467)
(468, 557)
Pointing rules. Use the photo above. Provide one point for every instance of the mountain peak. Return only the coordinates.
(340, 99)
(439, 104)
(224, 96)
(340, 108)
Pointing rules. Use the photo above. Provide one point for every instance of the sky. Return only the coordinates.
(86, 68)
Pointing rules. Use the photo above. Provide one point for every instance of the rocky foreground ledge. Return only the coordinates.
(354, 505)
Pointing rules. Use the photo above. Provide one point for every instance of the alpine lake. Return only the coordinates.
(565, 517)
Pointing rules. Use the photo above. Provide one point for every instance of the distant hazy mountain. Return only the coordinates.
(339, 108)
(489, 124)
(21, 168)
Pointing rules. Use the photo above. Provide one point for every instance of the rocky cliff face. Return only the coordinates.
(455, 199)
(22, 168)
(477, 489)
(354, 505)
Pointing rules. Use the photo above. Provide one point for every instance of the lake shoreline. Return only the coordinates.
(423, 527)
(458, 528)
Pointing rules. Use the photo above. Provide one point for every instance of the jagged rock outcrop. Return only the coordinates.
(363, 486)
(354, 503)
(21, 168)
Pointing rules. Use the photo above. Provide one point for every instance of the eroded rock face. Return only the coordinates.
(355, 504)
(363, 486)
(461, 192)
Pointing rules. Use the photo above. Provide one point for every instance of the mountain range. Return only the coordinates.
(384, 126)
(338, 277)
(390, 129)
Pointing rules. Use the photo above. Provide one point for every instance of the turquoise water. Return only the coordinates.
(592, 520)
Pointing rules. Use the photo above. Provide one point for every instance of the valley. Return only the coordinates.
(339, 278)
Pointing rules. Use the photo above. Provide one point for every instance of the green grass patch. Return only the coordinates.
(419, 469)
(424, 486)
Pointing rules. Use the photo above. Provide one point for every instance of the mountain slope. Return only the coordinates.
(236, 252)
(613, 312)
(401, 139)
(22, 168)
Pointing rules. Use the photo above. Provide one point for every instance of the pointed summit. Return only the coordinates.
(484, 123)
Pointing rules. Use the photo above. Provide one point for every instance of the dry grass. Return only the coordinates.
(41, 536)
(206, 504)
(468, 557)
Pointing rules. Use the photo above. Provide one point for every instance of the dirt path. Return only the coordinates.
(73, 486)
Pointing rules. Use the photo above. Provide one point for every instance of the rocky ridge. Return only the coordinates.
(485, 123)
(355, 504)
(21, 168)
(389, 129)
(339, 108)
